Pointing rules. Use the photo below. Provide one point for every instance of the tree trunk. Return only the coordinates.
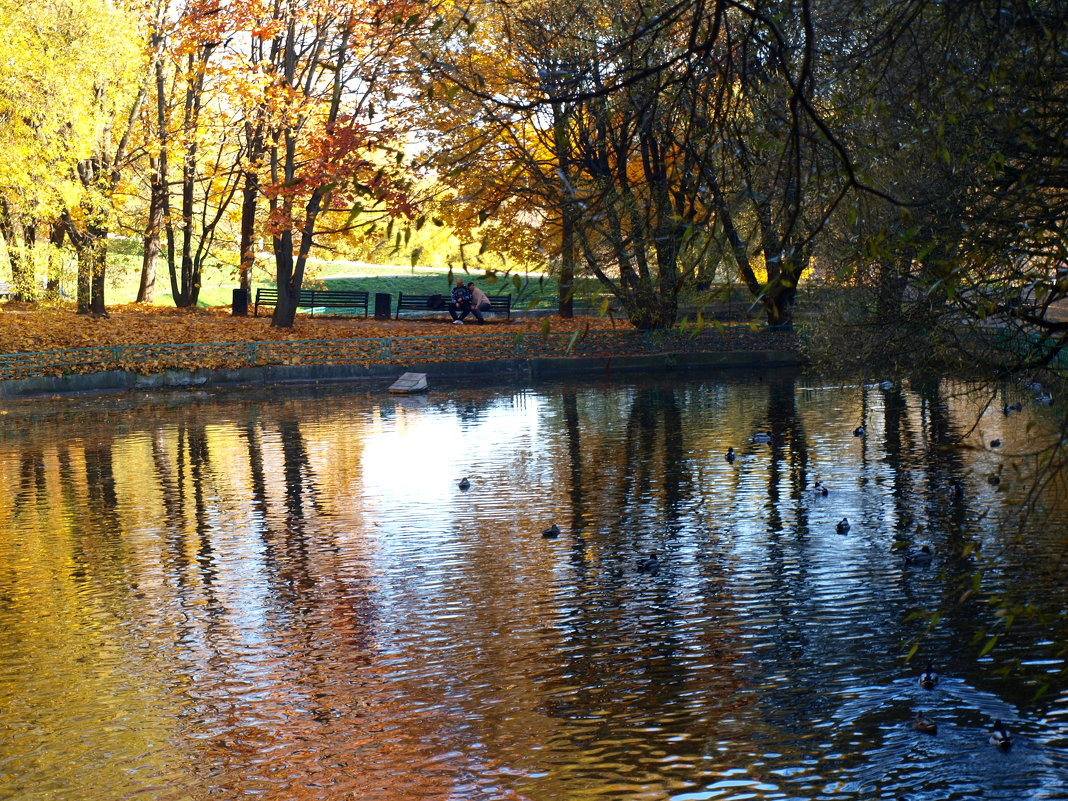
(98, 250)
(285, 309)
(567, 262)
(85, 274)
(146, 289)
(22, 277)
(249, 198)
(55, 240)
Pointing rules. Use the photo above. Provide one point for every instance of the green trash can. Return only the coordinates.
(383, 304)
(240, 303)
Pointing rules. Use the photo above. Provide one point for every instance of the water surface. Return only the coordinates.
(287, 596)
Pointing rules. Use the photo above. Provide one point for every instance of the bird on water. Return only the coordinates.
(551, 533)
(649, 564)
(928, 679)
(924, 724)
(1000, 736)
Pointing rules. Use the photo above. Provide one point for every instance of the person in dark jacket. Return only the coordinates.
(460, 304)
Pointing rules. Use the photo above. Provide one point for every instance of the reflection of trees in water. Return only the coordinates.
(182, 481)
(98, 550)
(652, 453)
(32, 484)
(623, 646)
(943, 464)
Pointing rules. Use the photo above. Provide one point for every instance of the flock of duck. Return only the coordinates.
(928, 680)
(999, 735)
(651, 563)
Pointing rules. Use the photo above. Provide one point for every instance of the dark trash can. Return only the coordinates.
(240, 303)
(383, 303)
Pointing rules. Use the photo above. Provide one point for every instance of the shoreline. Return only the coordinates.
(535, 367)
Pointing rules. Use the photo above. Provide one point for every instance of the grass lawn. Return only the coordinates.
(527, 291)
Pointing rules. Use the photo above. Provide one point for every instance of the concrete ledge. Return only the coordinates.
(536, 367)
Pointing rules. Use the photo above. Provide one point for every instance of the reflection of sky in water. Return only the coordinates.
(292, 598)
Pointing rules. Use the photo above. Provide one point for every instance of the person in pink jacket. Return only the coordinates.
(479, 302)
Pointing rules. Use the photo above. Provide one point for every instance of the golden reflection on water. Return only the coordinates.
(290, 597)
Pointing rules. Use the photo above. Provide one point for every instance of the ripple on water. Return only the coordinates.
(291, 595)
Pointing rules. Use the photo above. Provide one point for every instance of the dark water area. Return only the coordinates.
(288, 596)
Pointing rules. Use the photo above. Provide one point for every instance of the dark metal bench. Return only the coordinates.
(499, 304)
(312, 298)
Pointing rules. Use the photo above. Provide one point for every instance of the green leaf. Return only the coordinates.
(989, 644)
(571, 342)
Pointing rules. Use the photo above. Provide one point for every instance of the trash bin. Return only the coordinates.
(240, 305)
(383, 303)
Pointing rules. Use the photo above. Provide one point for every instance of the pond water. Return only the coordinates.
(287, 595)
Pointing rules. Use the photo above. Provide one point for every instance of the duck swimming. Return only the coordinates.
(1000, 736)
(649, 565)
(860, 431)
(551, 533)
(924, 724)
(919, 556)
(760, 437)
(843, 526)
(928, 679)
(819, 488)
(465, 483)
(729, 456)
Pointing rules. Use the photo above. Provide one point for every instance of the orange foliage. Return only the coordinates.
(25, 328)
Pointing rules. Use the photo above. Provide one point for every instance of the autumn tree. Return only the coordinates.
(957, 136)
(66, 85)
(196, 124)
(117, 92)
(659, 131)
(323, 152)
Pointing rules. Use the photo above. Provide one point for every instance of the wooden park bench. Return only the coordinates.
(499, 304)
(314, 298)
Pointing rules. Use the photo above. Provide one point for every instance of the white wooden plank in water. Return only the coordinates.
(408, 383)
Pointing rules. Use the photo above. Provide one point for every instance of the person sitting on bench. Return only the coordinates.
(479, 302)
(460, 305)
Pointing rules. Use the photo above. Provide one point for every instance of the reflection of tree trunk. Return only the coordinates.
(945, 465)
(259, 493)
(296, 467)
(896, 441)
(172, 501)
(31, 478)
(100, 480)
(677, 485)
(788, 438)
(200, 474)
(574, 451)
(255, 463)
